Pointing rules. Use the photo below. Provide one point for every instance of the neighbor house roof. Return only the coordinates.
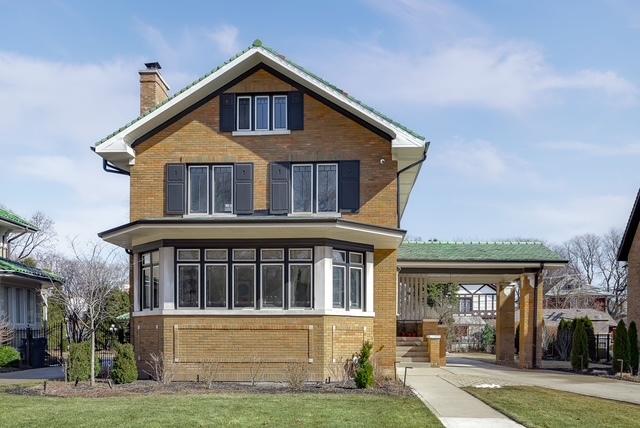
(529, 252)
(407, 146)
(14, 219)
(20, 269)
(630, 231)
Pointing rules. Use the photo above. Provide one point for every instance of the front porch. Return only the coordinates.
(513, 269)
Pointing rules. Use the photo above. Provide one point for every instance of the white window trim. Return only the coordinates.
(286, 107)
(271, 308)
(344, 286)
(272, 260)
(360, 268)
(213, 192)
(189, 190)
(291, 286)
(233, 287)
(226, 252)
(293, 167)
(226, 285)
(317, 189)
(238, 113)
(187, 249)
(233, 255)
(255, 106)
(310, 259)
(197, 265)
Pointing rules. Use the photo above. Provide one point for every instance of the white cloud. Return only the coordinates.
(225, 38)
(604, 149)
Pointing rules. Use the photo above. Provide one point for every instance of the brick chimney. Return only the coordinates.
(153, 88)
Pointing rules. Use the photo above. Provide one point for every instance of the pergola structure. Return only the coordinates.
(515, 268)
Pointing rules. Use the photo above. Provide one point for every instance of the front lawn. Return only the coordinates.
(180, 410)
(540, 407)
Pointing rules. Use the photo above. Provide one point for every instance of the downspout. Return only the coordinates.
(418, 162)
(109, 167)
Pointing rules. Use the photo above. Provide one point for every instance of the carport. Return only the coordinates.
(513, 268)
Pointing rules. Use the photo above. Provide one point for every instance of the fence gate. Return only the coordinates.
(40, 347)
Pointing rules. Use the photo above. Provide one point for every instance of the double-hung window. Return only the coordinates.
(219, 189)
(348, 279)
(302, 188)
(325, 176)
(188, 277)
(300, 278)
(262, 112)
(150, 280)
(279, 112)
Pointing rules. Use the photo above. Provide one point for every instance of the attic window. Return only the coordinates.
(243, 115)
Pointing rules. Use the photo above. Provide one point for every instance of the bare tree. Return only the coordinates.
(584, 252)
(613, 273)
(90, 277)
(27, 245)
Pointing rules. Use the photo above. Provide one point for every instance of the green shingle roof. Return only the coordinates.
(255, 45)
(16, 268)
(477, 252)
(11, 217)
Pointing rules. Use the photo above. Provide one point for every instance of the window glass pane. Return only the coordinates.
(272, 254)
(355, 287)
(355, 258)
(188, 286)
(300, 280)
(146, 258)
(327, 188)
(198, 189)
(244, 113)
(155, 257)
(216, 278)
(244, 254)
(188, 255)
(262, 112)
(304, 254)
(146, 285)
(216, 255)
(280, 112)
(155, 272)
(339, 256)
(272, 284)
(338, 286)
(244, 286)
(222, 200)
(302, 188)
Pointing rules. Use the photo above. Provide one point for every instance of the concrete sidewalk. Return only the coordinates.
(454, 407)
(31, 375)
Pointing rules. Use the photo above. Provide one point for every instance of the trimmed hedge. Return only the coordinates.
(580, 348)
(125, 369)
(633, 347)
(80, 362)
(621, 348)
(9, 356)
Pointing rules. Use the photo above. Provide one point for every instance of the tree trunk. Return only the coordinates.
(93, 352)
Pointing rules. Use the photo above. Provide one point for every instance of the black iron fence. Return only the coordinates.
(603, 347)
(40, 347)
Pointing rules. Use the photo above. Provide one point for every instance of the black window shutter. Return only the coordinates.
(175, 189)
(227, 112)
(349, 186)
(279, 188)
(243, 188)
(295, 111)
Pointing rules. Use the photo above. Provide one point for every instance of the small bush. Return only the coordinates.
(364, 373)
(297, 374)
(633, 347)
(125, 369)
(621, 348)
(580, 348)
(80, 362)
(488, 337)
(9, 357)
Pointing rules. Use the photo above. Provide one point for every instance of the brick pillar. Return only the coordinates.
(505, 325)
(433, 349)
(539, 296)
(528, 313)
(384, 302)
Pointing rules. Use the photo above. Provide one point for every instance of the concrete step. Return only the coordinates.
(409, 341)
(414, 365)
(411, 354)
(422, 359)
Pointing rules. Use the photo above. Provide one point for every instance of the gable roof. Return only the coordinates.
(630, 231)
(13, 219)
(498, 252)
(407, 146)
(16, 268)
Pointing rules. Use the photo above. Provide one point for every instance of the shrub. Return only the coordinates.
(621, 348)
(580, 348)
(633, 347)
(563, 339)
(364, 373)
(591, 337)
(80, 362)
(9, 357)
(297, 374)
(488, 337)
(125, 369)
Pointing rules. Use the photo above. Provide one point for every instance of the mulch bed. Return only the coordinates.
(148, 387)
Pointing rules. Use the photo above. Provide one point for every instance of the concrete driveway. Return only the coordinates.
(22, 376)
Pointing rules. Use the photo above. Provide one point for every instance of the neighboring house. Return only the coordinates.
(23, 296)
(561, 296)
(602, 321)
(264, 221)
(630, 252)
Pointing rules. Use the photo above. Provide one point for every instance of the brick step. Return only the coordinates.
(409, 341)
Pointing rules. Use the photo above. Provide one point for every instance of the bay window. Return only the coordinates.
(150, 280)
(188, 278)
(348, 282)
(215, 278)
(272, 280)
(244, 284)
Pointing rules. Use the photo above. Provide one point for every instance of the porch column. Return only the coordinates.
(505, 324)
(531, 315)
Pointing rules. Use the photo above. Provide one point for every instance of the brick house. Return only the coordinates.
(265, 206)
(630, 252)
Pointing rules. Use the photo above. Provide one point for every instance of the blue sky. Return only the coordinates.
(531, 109)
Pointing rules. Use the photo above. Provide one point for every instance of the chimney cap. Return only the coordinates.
(152, 65)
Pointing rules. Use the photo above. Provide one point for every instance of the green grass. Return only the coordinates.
(540, 407)
(180, 410)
